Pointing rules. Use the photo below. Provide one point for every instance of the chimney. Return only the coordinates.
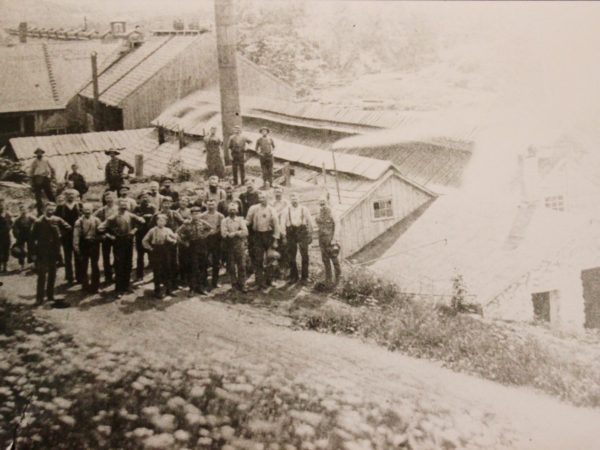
(118, 28)
(23, 32)
(96, 91)
(84, 23)
(181, 138)
(530, 176)
(228, 78)
(178, 25)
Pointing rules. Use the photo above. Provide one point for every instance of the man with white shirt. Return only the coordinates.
(86, 242)
(41, 174)
(297, 228)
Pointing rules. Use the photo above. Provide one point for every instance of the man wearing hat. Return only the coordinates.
(145, 210)
(328, 232)
(264, 148)
(124, 192)
(41, 173)
(237, 147)
(234, 232)
(70, 211)
(214, 163)
(193, 235)
(167, 191)
(44, 245)
(109, 209)
(114, 171)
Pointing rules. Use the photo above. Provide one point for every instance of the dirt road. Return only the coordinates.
(494, 415)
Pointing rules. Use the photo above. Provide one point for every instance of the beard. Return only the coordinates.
(213, 189)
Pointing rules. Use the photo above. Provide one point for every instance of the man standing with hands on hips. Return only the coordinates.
(41, 173)
(237, 147)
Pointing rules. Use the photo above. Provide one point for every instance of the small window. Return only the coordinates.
(555, 202)
(382, 209)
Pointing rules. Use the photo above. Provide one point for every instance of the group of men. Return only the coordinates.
(184, 236)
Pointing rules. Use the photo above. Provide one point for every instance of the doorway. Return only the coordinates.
(590, 279)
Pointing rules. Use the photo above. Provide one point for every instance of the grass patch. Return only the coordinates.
(464, 343)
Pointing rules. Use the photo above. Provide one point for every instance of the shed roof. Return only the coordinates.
(121, 77)
(87, 150)
(45, 76)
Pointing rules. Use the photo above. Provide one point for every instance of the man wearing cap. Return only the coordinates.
(70, 211)
(114, 170)
(234, 232)
(86, 242)
(120, 229)
(124, 194)
(297, 228)
(154, 195)
(167, 191)
(213, 240)
(108, 210)
(264, 225)
(44, 245)
(237, 146)
(41, 174)
(146, 211)
(328, 233)
(193, 235)
(265, 147)
(214, 163)
(78, 180)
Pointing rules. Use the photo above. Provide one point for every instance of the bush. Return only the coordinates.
(362, 287)
(178, 171)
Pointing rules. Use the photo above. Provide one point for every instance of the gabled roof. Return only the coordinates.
(45, 76)
(121, 77)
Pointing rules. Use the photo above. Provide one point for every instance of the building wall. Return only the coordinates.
(358, 227)
(185, 74)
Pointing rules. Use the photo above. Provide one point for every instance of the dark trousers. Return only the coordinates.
(237, 166)
(41, 185)
(46, 277)
(107, 248)
(213, 247)
(236, 261)
(262, 242)
(71, 260)
(184, 262)
(162, 269)
(140, 251)
(25, 246)
(199, 262)
(123, 262)
(4, 248)
(89, 256)
(296, 237)
(266, 164)
(329, 260)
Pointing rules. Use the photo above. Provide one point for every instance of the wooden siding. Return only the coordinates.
(358, 227)
(185, 74)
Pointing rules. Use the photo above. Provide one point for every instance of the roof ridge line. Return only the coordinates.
(136, 65)
(48, 62)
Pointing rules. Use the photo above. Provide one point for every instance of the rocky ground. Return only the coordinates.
(232, 372)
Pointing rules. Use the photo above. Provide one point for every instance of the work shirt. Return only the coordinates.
(106, 211)
(22, 227)
(174, 195)
(173, 219)
(214, 219)
(79, 182)
(146, 211)
(114, 169)
(265, 146)
(237, 145)
(248, 199)
(184, 214)
(328, 225)
(86, 228)
(159, 236)
(45, 242)
(223, 206)
(296, 216)
(217, 195)
(121, 225)
(155, 199)
(234, 227)
(42, 168)
(131, 203)
(69, 212)
(263, 218)
(193, 231)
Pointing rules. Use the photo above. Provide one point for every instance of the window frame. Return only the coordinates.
(389, 199)
(555, 202)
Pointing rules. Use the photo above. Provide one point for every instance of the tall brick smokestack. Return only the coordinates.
(228, 78)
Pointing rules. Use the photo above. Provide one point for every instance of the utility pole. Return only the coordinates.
(97, 125)
(228, 78)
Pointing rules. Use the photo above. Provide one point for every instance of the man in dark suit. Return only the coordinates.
(114, 171)
(44, 244)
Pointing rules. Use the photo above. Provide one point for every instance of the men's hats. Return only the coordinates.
(39, 151)
(112, 151)
(73, 192)
(196, 209)
(124, 189)
(167, 179)
(264, 128)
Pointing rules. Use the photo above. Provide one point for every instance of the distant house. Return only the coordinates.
(136, 87)
(37, 81)
(531, 253)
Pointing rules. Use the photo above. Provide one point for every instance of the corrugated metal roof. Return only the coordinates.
(87, 150)
(120, 79)
(45, 76)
